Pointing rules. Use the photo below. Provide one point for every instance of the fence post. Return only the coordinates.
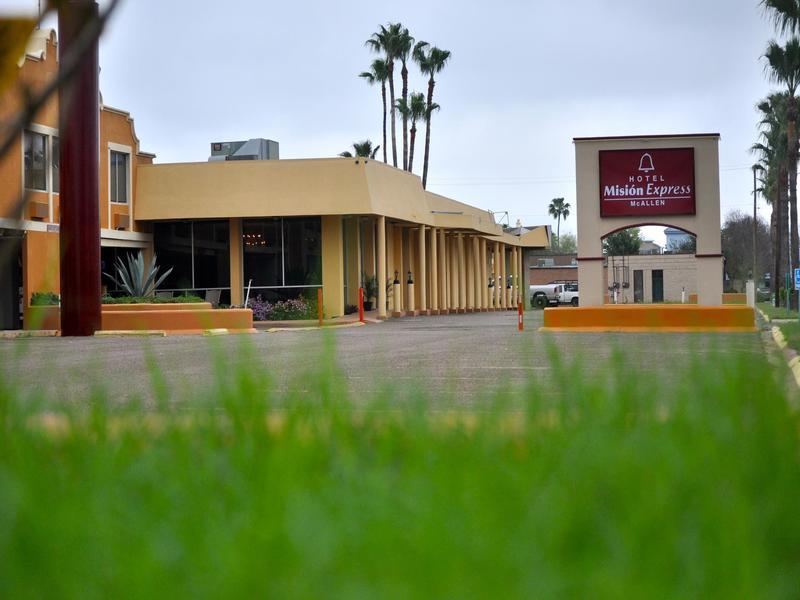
(319, 305)
(361, 305)
(520, 323)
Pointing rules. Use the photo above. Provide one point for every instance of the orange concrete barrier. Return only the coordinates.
(143, 317)
(158, 306)
(650, 318)
(178, 320)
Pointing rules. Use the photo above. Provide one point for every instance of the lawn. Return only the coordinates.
(791, 332)
(675, 485)
(777, 313)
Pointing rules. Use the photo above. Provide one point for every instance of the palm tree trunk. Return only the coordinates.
(426, 158)
(791, 131)
(558, 230)
(404, 76)
(391, 107)
(783, 230)
(383, 96)
(411, 145)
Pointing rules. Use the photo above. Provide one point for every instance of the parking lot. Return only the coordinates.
(461, 359)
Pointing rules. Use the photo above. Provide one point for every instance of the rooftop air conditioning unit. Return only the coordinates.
(254, 149)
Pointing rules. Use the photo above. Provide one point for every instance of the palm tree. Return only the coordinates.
(773, 154)
(404, 45)
(558, 209)
(362, 149)
(431, 61)
(418, 110)
(783, 67)
(379, 73)
(785, 14)
(387, 40)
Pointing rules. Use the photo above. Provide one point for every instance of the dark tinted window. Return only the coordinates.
(173, 247)
(302, 251)
(211, 254)
(261, 252)
(35, 161)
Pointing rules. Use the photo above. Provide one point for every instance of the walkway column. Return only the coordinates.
(235, 262)
(496, 274)
(503, 278)
(453, 266)
(513, 266)
(434, 272)
(462, 274)
(422, 277)
(381, 267)
(444, 302)
(476, 268)
(469, 280)
(484, 277)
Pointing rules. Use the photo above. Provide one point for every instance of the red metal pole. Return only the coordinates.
(520, 324)
(319, 305)
(361, 304)
(79, 236)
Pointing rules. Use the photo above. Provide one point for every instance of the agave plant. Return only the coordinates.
(135, 279)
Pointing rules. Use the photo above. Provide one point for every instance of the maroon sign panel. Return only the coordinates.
(647, 182)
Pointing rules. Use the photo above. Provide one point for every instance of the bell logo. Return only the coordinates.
(646, 163)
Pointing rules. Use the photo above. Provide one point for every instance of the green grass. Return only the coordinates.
(791, 332)
(777, 313)
(685, 485)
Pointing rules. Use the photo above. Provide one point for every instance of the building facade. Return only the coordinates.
(274, 228)
(29, 182)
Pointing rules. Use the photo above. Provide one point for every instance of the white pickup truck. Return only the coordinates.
(554, 294)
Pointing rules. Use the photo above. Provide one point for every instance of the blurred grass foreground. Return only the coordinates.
(620, 486)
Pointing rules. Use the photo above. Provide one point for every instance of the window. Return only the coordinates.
(118, 174)
(282, 252)
(56, 164)
(35, 150)
(212, 266)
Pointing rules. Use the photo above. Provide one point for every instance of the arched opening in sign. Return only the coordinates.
(640, 270)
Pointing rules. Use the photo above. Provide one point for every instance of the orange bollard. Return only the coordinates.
(361, 305)
(319, 305)
(520, 324)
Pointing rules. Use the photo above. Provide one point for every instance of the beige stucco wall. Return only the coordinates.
(332, 266)
(680, 272)
(705, 223)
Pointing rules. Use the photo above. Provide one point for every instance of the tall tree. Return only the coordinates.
(558, 209)
(414, 110)
(737, 246)
(386, 40)
(783, 67)
(361, 149)
(379, 73)
(405, 44)
(431, 61)
(623, 243)
(773, 153)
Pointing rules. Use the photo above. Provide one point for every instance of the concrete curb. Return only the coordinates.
(342, 326)
(131, 333)
(763, 314)
(794, 362)
(28, 333)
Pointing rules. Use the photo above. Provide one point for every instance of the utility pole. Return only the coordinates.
(755, 222)
(79, 235)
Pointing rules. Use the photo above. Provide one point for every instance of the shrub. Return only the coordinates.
(45, 299)
(282, 310)
(151, 300)
(137, 278)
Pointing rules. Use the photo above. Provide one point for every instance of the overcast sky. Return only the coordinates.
(525, 78)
